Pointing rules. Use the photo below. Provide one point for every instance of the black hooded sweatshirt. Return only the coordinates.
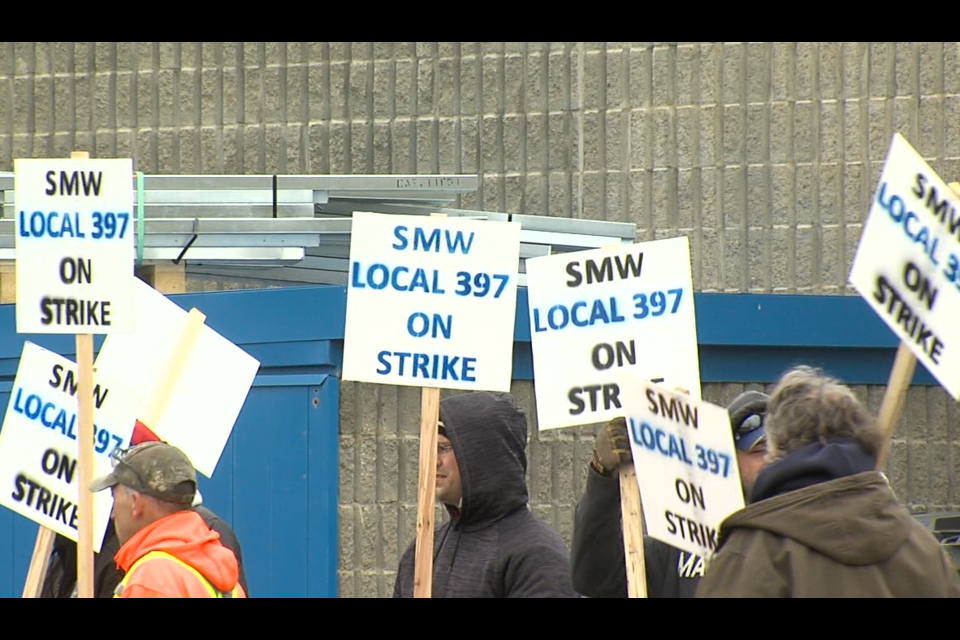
(493, 546)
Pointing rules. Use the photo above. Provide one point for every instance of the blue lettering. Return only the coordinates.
(66, 226)
(421, 241)
(537, 327)
(599, 313)
(396, 285)
(60, 422)
(403, 358)
(614, 316)
(430, 366)
(458, 240)
(355, 280)
(33, 400)
(449, 372)
(384, 363)
(43, 414)
(16, 402)
(573, 313)
(402, 242)
(906, 224)
(378, 268)
(565, 318)
(436, 282)
(34, 218)
(419, 281)
(420, 362)
(468, 373)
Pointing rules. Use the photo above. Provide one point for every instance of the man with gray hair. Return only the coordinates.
(822, 521)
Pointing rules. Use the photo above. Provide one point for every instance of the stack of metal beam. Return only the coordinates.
(295, 229)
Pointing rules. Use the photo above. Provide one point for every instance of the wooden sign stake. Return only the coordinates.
(631, 512)
(429, 417)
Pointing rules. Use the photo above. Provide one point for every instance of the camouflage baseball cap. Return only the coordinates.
(154, 468)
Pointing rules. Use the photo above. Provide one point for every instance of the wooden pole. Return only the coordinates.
(86, 438)
(37, 572)
(85, 384)
(158, 399)
(429, 417)
(631, 512)
(892, 406)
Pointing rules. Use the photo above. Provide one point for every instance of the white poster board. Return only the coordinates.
(39, 469)
(907, 265)
(686, 465)
(431, 302)
(74, 227)
(595, 314)
(211, 391)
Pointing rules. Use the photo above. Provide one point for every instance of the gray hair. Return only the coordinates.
(807, 406)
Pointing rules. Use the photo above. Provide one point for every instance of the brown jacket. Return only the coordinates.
(847, 537)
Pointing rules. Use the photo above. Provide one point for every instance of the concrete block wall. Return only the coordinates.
(765, 154)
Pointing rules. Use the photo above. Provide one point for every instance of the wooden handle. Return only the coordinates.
(429, 416)
(892, 406)
(37, 572)
(85, 441)
(631, 512)
(159, 398)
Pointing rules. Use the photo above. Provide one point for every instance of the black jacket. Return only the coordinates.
(61, 579)
(494, 546)
(597, 555)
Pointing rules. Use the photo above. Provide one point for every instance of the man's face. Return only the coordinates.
(123, 512)
(449, 490)
(750, 463)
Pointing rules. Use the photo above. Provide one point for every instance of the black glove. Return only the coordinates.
(612, 447)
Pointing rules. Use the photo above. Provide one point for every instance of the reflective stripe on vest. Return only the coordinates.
(213, 591)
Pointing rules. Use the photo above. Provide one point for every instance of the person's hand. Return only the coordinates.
(612, 447)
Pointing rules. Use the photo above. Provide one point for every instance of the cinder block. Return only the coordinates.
(803, 132)
(514, 81)
(663, 90)
(514, 150)
(829, 176)
(805, 62)
(758, 71)
(594, 81)
(732, 73)
(491, 133)
(930, 121)
(711, 261)
(687, 199)
(593, 140)
(734, 134)
(664, 139)
(782, 258)
(536, 138)
(854, 78)
(347, 468)
(758, 207)
(560, 69)
(757, 144)
(829, 70)
(491, 97)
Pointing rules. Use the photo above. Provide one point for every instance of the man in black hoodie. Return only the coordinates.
(492, 546)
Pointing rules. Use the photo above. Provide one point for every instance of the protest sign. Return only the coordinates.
(686, 464)
(595, 314)
(203, 399)
(39, 448)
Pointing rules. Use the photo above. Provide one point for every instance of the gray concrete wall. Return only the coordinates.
(765, 154)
